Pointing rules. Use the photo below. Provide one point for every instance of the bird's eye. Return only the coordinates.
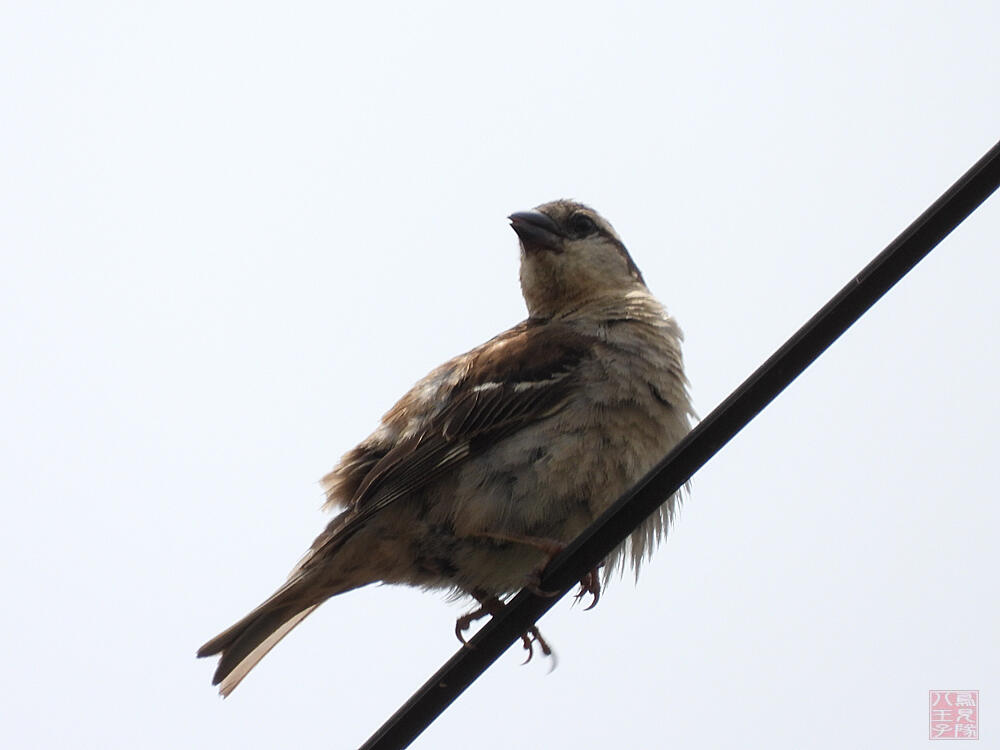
(582, 225)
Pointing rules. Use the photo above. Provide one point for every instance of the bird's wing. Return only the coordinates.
(514, 380)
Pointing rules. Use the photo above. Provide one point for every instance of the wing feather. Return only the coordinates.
(517, 379)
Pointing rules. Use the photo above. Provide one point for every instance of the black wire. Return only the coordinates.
(704, 441)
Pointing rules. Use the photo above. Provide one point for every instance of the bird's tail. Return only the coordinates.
(311, 583)
(246, 642)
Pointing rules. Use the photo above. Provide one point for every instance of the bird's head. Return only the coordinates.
(569, 255)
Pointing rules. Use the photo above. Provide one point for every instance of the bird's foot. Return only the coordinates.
(589, 584)
(533, 581)
(531, 637)
(490, 605)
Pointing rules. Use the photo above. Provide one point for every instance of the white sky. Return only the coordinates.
(234, 234)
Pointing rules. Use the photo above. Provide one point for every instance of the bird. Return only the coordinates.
(492, 463)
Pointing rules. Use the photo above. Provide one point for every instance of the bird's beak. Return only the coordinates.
(536, 231)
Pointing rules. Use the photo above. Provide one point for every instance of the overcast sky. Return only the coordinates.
(234, 234)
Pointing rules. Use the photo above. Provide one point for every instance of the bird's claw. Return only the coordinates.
(528, 640)
(589, 584)
(533, 584)
(491, 605)
(462, 624)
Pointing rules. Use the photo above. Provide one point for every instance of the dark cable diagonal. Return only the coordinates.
(704, 441)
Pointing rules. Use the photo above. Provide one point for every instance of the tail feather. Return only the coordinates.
(312, 582)
(246, 643)
(236, 663)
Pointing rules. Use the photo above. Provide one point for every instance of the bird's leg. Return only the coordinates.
(491, 605)
(550, 547)
(589, 584)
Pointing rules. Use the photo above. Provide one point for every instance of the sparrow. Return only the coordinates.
(498, 458)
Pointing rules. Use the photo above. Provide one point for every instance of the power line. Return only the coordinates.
(703, 442)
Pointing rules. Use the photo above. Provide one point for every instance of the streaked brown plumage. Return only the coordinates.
(527, 437)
